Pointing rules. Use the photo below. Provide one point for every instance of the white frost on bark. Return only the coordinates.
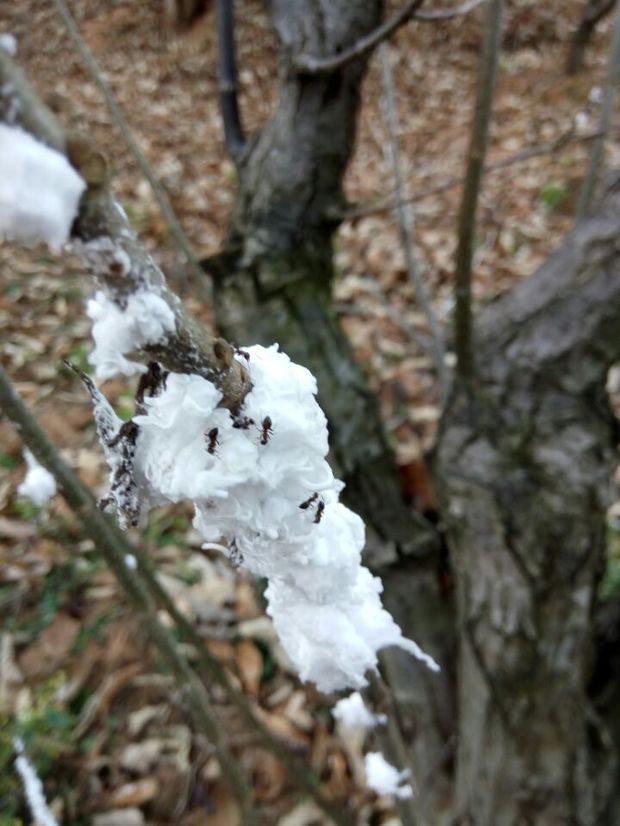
(144, 319)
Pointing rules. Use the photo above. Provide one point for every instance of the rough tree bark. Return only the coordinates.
(524, 465)
(272, 281)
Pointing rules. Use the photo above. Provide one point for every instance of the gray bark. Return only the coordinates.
(524, 468)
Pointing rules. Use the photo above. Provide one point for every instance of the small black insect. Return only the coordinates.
(305, 505)
(243, 353)
(212, 440)
(319, 512)
(266, 430)
(242, 422)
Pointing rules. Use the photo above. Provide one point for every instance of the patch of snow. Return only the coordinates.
(8, 43)
(352, 712)
(39, 190)
(261, 480)
(39, 485)
(146, 319)
(384, 779)
(33, 788)
(596, 95)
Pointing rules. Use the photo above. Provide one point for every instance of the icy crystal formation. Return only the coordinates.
(351, 711)
(383, 778)
(39, 485)
(145, 318)
(261, 481)
(39, 190)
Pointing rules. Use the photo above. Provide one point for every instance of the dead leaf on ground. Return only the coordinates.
(250, 664)
(47, 654)
(134, 794)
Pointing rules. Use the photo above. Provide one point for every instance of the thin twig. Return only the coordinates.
(447, 14)
(362, 211)
(114, 109)
(307, 64)
(145, 592)
(227, 80)
(316, 65)
(473, 177)
(405, 223)
(114, 548)
(382, 698)
(595, 162)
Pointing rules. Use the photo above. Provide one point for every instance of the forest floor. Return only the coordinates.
(102, 721)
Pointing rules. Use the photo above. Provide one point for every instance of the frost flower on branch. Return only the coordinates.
(383, 778)
(144, 319)
(39, 485)
(260, 481)
(351, 711)
(39, 190)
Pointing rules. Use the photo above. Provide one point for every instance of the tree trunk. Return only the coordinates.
(273, 279)
(273, 282)
(524, 465)
(593, 12)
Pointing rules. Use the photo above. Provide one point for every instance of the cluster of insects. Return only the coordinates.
(320, 506)
(265, 428)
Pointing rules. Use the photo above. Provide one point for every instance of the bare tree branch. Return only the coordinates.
(144, 593)
(362, 210)
(113, 546)
(308, 64)
(473, 177)
(227, 80)
(447, 14)
(114, 109)
(405, 223)
(596, 154)
(190, 349)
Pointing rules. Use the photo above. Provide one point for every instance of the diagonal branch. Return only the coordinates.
(145, 593)
(114, 109)
(447, 14)
(114, 548)
(388, 204)
(307, 64)
(111, 251)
